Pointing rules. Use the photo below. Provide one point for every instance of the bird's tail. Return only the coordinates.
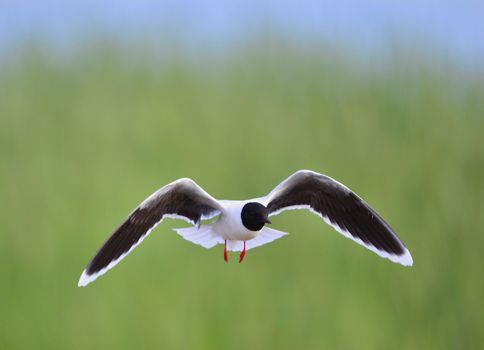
(202, 235)
(266, 235)
(207, 238)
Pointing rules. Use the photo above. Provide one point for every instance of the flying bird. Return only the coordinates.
(241, 224)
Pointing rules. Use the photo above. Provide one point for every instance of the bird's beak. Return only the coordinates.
(268, 221)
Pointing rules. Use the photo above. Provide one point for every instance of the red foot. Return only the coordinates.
(226, 254)
(242, 255)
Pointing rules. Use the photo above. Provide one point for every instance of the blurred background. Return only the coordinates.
(103, 102)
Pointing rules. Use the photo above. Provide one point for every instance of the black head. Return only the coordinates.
(255, 216)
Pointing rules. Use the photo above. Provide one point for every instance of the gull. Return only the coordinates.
(240, 225)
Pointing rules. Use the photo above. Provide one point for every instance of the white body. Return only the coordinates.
(229, 227)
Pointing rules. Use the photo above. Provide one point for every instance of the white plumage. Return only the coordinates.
(240, 225)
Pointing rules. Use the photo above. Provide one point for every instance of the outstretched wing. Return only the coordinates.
(341, 208)
(182, 199)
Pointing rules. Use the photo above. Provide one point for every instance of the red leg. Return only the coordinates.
(226, 254)
(242, 255)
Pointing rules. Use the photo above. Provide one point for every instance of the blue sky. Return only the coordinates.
(451, 28)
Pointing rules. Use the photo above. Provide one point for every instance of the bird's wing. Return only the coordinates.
(181, 199)
(341, 208)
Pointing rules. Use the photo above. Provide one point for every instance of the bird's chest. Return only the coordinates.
(230, 226)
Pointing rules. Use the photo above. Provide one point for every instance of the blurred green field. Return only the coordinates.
(83, 141)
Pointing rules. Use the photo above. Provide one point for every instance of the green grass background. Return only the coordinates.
(83, 141)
